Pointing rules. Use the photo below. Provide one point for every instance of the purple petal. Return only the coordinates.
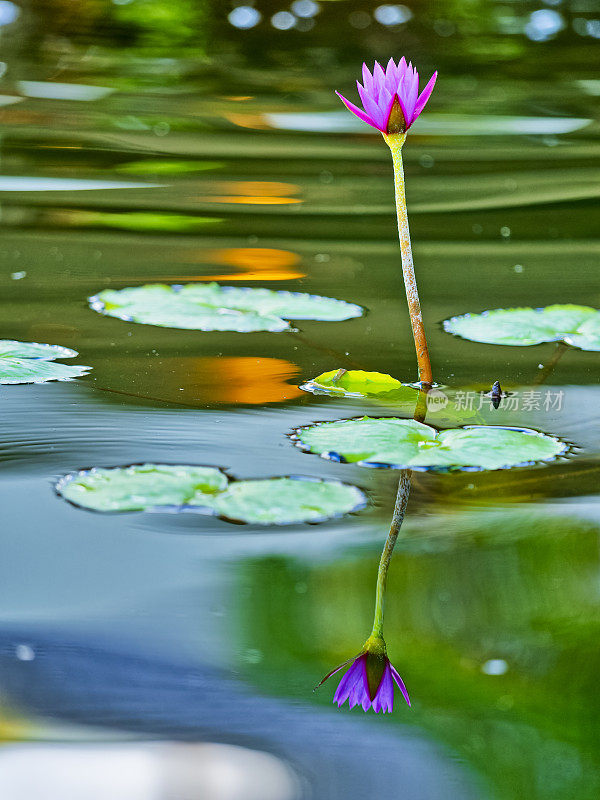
(347, 683)
(366, 697)
(378, 78)
(357, 112)
(384, 699)
(424, 97)
(367, 79)
(359, 694)
(363, 93)
(391, 77)
(375, 112)
(401, 67)
(400, 683)
(410, 96)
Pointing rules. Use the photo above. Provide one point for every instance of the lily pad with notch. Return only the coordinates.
(576, 325)
(212, 307)
(407, 444)
(31, 362)
(208, 490)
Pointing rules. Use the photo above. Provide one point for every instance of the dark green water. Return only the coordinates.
(184, 628)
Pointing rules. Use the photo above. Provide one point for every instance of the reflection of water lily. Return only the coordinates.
(390, 98)
(369, 682)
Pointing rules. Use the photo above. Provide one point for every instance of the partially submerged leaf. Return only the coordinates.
(30, 362)
(357, 383)
(165, 487)
(402, 443)
(390, 392)
(576, 325)
(211, 307)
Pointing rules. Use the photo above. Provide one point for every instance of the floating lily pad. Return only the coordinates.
(402, 443)
(283, 501)
(30, 362)
(142, 487)
(357, 383)
(164, 487)
(576, 325)
(211, 307)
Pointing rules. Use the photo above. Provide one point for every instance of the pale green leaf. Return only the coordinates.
(164, 487)
(587, 336)
(142, 487)
(283, 501)
(30, 362)
(211, 307)
(402, 443)
(527, 326)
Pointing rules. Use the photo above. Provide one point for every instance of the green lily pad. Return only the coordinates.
(587, 336)
(576, 325)
(141, 487)
(407, 444)
(30, 362)
(211, 307)
(165, 487)
(283, 501)
(357, 383)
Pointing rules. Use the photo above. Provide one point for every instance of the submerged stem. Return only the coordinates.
(395, 142)
(384, 562)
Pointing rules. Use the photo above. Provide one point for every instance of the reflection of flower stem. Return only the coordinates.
(395, 142)
(397, 520)
(561, 348)
(384, 562)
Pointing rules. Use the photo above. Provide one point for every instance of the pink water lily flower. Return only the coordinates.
(369, 682)
(390, 98)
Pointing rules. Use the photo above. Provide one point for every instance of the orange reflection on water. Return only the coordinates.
(251, 201)
(253, 121)
(257, 193)
(243, 379)
(252, 263)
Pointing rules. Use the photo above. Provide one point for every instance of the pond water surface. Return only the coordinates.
(171, 650)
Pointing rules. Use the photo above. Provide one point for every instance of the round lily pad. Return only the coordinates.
(166, 487)
(357, 383)
(141, 487)
(576, 325)
(407, 444)
(211, 307)
(30, 362)
(283, 501)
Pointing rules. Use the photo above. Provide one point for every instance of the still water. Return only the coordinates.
(155, 656)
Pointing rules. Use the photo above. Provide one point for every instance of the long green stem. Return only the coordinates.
(395, 142)
(384, 562)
